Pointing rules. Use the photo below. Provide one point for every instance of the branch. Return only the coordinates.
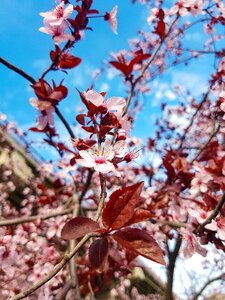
(33, 81)
(62, 294)
(206, 284)
(102, 196)
(64, 122)
(206, 144)
(193, 117)
(88, 182)
(147, 65)
(172, 255)
(17, 70)
(56, 270)
(72, 264)
(22, 220)
(212, 216)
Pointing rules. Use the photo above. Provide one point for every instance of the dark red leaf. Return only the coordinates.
(170, 169)
(98, 252)
(141, 243)
(121, 205)
(139, 215)
(81, 119)
(161, 14)
(78, 227)
(161, 29)
(124, 68)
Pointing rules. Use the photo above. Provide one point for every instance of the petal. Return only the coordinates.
(221, 233)
(116, 104)
(85, 163)
(68, 11)
(86, 155)
(94, 97)
(212, 226)
(104, 168)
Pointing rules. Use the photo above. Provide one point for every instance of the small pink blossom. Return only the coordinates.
(58, 32)
(191, 245)
(113, 104)
(112, 19)
(58, 15)
(99, 160)
(219, 226)
(46, 117)
(199, 214)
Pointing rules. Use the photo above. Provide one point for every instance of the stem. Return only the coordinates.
(56, 270)
(88, 182)
(212, 216)
(22, 220)
(171, 267)
(33, 81)
(72, 263)
(102, 196)
(205, 286)
(57, 111)
(17, 70)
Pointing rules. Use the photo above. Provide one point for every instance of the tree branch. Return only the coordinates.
(172, 255)
(207, 284)
(17, 70)
(22, 220)
(212, 216)
(56, 270)
(33, 81)
(102, 196)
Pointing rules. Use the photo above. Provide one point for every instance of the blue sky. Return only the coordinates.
(23, 45)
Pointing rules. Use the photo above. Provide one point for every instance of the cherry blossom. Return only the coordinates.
(219, 226)
(191, 244)
(111, 18)
(99, 160)
(58, 15)
(113, 104)
(46, 117)
(58, 32)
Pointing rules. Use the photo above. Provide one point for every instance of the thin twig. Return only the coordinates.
(33, 81)
(17, 70)
(206, 284)
(72, 263)
(102, 197)
(56, 270)
(212, 216)
(87, 184)
(22, 220)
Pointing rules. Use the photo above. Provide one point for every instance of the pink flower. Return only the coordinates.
(46, 117)
(57, 32)
(58, 15)
(99, 160)
(191, 244)
(113, 104)
(111, 18)
(219, 226)
(199, 214)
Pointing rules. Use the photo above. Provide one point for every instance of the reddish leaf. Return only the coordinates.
(161, 29)
(124, 68)
(98, 252)
(161, 14)
(170, 169)
(139, 215)
(78, 227)
(120, 207)
(81, 119)
(141, 243)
